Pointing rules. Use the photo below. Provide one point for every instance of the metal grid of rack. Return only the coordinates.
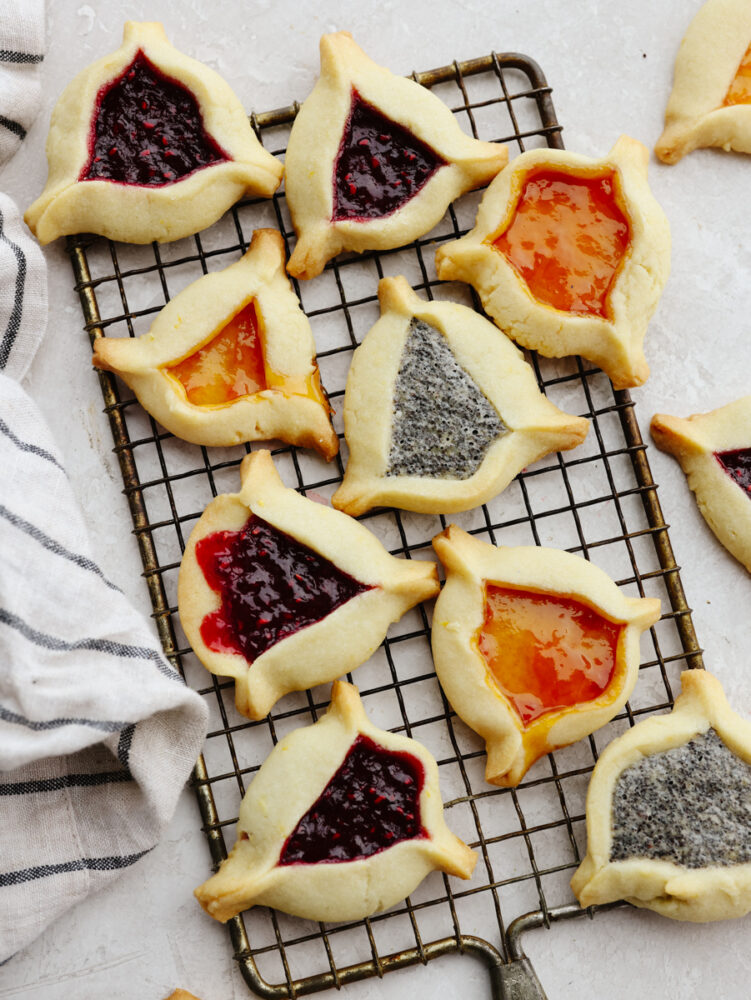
(598, 501)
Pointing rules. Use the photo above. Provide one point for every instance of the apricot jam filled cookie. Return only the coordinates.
(534, 647)
(710, 104)
(342, 820)
(147, 144)
(669, 811)
(282, 593)
(569, 255)
(230, 359)
(441, 411)
(714, 450)
(373, 160)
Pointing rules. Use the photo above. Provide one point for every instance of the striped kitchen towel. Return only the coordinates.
(97, 732)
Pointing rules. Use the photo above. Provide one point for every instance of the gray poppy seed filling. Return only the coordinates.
(443, 424)
(690, 805)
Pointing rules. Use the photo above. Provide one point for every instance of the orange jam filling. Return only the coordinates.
(232, 364)
(740, 88)
(545, 652)
(228, 366)
(566, 238)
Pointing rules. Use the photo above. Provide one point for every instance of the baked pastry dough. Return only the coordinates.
(710, 104)
(230, 359)
(181, 995)
(669, 811)
(441, 411)
(534, 647)
(714, 450)
(342, 820)
(147, 144)
(373, 160)
(569, 255)
(282, 593)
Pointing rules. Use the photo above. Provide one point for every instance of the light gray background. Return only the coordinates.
(610, 67)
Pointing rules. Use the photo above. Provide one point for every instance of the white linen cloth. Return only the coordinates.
(97, 732)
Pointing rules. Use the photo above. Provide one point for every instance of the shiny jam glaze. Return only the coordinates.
(380, 165)
(545, 652)
(566, 238)
(271, 586)
(229, 365)
(147, 130)
(372, 802)
(739, 91)
(737, 464)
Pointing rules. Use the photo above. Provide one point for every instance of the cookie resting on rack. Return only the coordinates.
(441, 411)
(710, 104)
(230, 359)
(534, 648)
(669, 811)
(343, 820)
(147, 144)
(714, 450)
(569, 255)
(283, 593)
(373, 160)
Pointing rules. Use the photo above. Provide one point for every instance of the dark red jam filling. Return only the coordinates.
(380, 165)
(737, 464)
(271, 587)
(148, 130)
(371, 803)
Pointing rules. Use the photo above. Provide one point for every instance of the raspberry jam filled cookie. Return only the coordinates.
(373, 160)
(283, 593)
(343, 820)
(147, 144)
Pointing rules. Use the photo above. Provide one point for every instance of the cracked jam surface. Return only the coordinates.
(372, 802)
(739, 91)
(380, 165)
(147, 130)
(737, 464)
(690, 805)
(443, 424)
(271, 586)
(566, 238)
(545, 652)
(230, 365)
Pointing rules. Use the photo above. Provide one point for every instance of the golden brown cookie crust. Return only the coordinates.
(613, 342)
(294, 407)
(338, 643)
(709, 56)
(535, 426)
(696, 894)
(133, 213)
(724, 505)
(314, 145)
(462, 671)
(291, 779)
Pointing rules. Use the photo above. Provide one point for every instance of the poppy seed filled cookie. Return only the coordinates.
(690, 805)
(443, 424)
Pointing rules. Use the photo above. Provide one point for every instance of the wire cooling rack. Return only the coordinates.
(598, 501)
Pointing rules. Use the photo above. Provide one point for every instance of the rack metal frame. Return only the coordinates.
(515, 85)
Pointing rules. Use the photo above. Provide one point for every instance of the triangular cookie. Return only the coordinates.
(534, 647)
(343, 820)
(710, 104)
(147, 144)
(669, 811)
(373, 160)
(714, 450)
(283, 593)
(441, 411)
(569, 255)
(230, 359)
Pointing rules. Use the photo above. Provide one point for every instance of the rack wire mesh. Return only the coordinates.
(598, 501)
